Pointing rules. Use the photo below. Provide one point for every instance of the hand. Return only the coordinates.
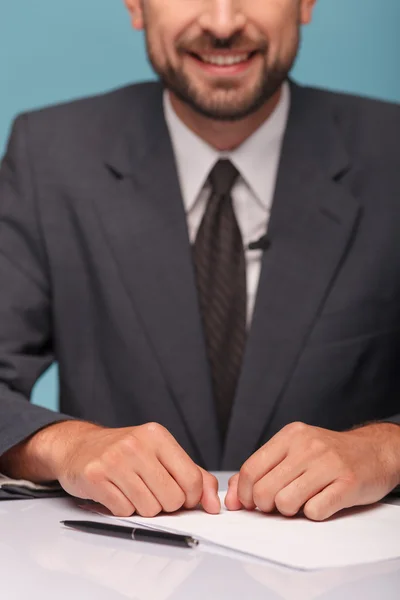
(320, 470)
(135, 469)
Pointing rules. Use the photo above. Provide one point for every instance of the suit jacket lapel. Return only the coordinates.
(143, 218)
(312, 223)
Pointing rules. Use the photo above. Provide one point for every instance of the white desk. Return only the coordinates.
(41, 559)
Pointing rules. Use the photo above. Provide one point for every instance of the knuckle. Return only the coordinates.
(259, 495)
(93, 472)
(317, 446)
(349, 478)
(213, 480)
(295, 428)
(286, 505)
(314, 512)
(191, 502)
(262, 498)
(174, 503)
(246, 472)
(121, 509)
(333, 457)
(194, 481)
(110, 457)
(130, 444)
(335, 499)
(154, 428)
(336, 463)
(150, 511)
(286, 471)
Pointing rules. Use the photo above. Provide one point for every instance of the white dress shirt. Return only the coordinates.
(257, 161)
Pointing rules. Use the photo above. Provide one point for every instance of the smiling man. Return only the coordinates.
(213, 260)
(222, 62)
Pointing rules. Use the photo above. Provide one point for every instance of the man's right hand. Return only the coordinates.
(139, 470)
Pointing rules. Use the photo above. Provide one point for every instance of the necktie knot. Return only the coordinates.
(223, 177)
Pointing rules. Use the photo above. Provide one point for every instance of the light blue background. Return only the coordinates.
(51, 51)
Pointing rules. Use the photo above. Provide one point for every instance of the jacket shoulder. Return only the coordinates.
(116, 100)
(86, 123)
(369, 126)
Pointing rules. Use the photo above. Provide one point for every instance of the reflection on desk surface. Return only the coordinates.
(37, 553)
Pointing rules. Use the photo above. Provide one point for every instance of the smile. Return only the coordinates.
(224, 64)
(223, 60)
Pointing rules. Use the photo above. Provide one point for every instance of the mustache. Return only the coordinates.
(207, 42)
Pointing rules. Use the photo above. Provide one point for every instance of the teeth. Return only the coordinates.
(224, 61)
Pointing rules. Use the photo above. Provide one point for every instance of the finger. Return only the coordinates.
(210, 500)
(333, 498)
(258, 465)
(182, 469)
(110, 496)
(291, 498)
(138, 493)
(161, 484)
(233, 480)
(232, 501)
(266, 489)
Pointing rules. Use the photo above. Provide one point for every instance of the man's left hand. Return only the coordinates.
(318, 470)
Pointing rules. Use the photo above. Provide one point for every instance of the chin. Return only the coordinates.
(232, 107)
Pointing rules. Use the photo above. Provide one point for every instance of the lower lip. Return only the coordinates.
(224, 70)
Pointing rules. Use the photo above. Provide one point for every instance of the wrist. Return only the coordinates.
(393, 440)
(39, 457)
(386, 438)
(50, 447)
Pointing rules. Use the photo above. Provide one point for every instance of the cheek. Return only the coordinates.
(171, 19)
(284, 43)
(161, 45)
(277, 21)
(164, 34)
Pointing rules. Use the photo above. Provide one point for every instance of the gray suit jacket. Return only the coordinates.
(96, 272)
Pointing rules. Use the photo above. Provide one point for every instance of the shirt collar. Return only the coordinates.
(195, 158)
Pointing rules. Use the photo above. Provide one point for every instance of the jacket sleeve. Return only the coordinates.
(395, 420)
(26, 348)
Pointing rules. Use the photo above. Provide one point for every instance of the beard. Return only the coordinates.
(226, 100)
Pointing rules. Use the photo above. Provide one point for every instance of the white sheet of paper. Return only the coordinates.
(356, 536)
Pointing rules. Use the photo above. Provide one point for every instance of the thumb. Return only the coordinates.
(210, 500)
(232, 501)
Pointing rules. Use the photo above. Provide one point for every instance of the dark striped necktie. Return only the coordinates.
(221, 281)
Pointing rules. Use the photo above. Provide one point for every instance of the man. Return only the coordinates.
(133, 249)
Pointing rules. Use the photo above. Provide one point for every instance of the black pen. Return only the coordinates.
(134, 533)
